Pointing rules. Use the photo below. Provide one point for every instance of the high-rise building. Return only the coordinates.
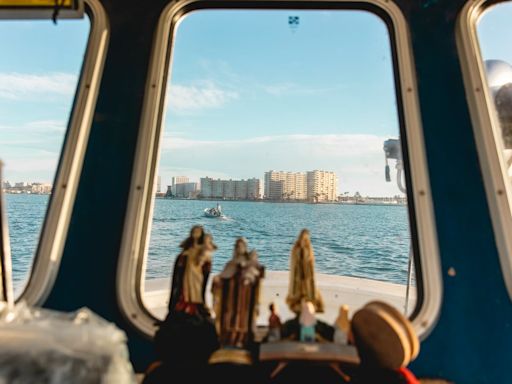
(183, 190)
(206, 187)
(322, 186)
(241, 189)
(274, 185)
(218, 189)
(314, 185)
(158, 184)
(285, 185)
(186, 189)
(228, 189)
(253, 189)
(177, 180)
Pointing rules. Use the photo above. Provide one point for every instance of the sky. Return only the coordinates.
(248, 92)
(495, 32)
(39, 67)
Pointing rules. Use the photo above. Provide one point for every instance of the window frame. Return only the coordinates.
(50, 246)
(137, 230)
(486, 130)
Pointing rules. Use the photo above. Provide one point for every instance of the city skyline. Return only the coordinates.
(315, 185)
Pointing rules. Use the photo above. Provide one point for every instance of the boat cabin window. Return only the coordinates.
(43, 134)
(274, 121)
(486, 30)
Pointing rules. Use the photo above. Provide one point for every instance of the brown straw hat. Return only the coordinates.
(399, 317)
(383, 336)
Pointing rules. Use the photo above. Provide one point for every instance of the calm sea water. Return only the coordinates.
(350, 240)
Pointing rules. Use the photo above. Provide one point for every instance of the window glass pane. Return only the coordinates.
(280, 117)
(494, 34)
(39, 70)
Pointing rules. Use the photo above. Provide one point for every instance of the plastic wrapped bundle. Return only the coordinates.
(42, 346)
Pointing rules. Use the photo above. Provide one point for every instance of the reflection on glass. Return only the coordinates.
(39, 68)
(494, 33)
(276, 122)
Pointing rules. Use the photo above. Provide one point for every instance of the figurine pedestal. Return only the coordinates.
(324, 353)
(232, 356)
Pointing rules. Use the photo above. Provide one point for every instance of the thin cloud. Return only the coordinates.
(34, 127)
(285, 89)
(279, 89)
(30, 150)
(192, 173)
(17, 86)
(184, 98)
(47, 126)
(39, 167)
(338, 145)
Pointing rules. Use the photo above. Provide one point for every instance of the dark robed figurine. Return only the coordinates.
(236, 293)
(190, 275)
(186, 338)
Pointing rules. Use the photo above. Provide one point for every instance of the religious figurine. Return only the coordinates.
(302, 276)
(342, 326)
(186, 338)
(236, 292)
(274, 324)
(302, 290)
(307, 322)
(191, 270)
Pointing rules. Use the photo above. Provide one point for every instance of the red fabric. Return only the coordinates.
(183, 306)
(274, 321)
(409, 376)
(154, 365)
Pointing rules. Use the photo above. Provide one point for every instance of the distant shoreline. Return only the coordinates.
(375, 203)
(27, 193)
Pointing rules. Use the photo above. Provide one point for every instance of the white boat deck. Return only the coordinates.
(336, 291)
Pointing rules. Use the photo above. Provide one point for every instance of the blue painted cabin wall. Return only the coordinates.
(472, 341)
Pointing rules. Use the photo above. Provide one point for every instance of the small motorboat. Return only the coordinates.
(214, 212)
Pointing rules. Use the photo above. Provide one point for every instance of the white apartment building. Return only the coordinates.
(253, 189)
(285, 185)
(177, 180)
(41, 188)
(313, 185)
(322, 186)
(230, 189)
(241, 187)
(183, 190)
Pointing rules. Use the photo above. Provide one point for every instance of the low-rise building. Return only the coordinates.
(41, 188)
(183, 190)
(230, 189)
